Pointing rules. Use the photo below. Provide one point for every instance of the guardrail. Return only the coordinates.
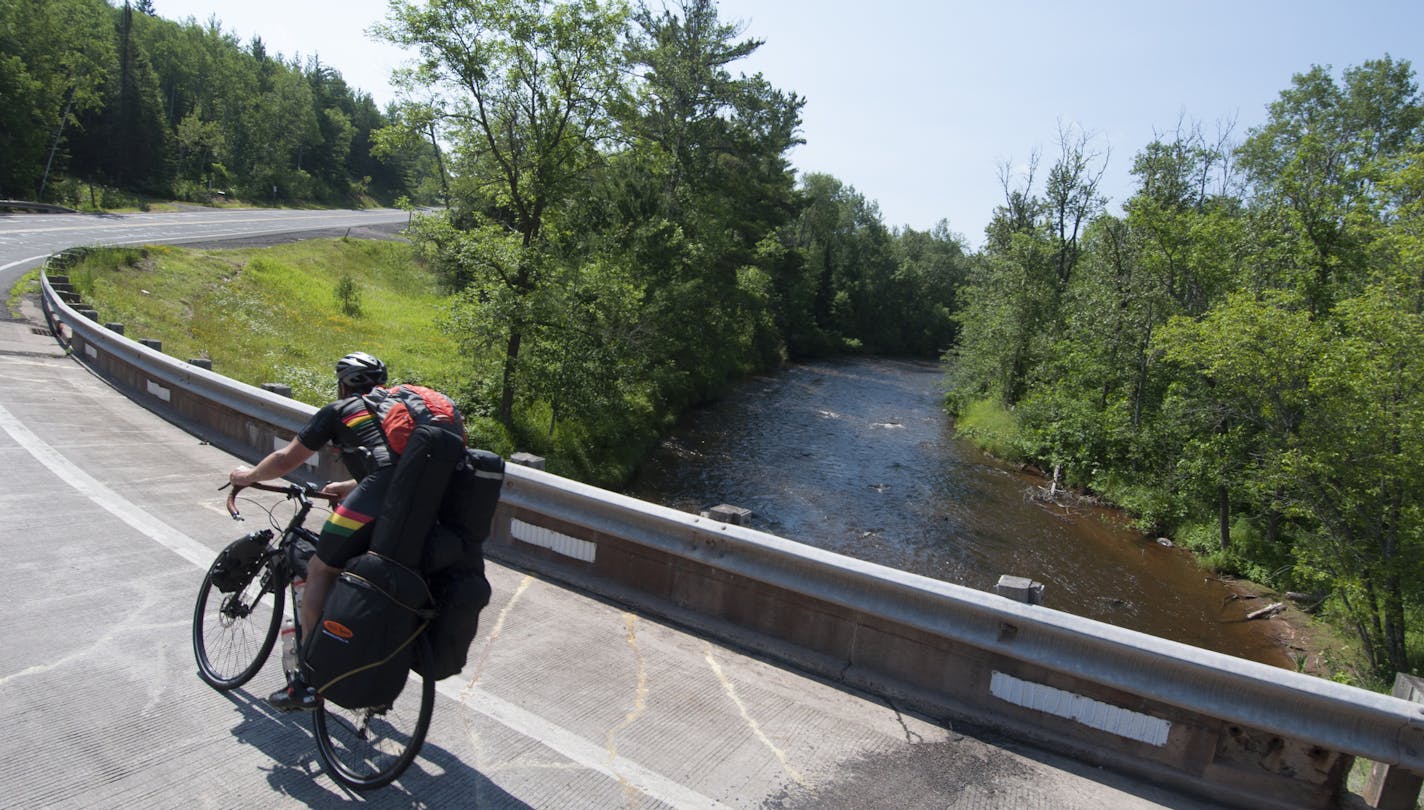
(1236, 731)
(39, 207)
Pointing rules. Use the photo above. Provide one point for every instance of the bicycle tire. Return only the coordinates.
(226, 627)
(366, 749)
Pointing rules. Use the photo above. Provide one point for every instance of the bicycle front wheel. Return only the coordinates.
(366, 749)
(233, 633)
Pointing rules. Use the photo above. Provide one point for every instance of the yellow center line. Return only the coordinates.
(640, 700)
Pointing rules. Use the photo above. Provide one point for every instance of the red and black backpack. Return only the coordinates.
(400, 409)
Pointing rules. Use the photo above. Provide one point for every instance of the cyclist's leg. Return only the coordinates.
(346, 534)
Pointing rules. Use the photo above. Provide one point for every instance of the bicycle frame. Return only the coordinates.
(284, 553)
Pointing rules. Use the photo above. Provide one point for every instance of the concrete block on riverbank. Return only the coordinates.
(1020, 589)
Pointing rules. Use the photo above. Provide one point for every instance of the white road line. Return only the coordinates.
(4, 267)
(586, 754)
(576, 748)
(158, 531)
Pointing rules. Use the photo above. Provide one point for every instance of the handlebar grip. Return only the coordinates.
(232, 501)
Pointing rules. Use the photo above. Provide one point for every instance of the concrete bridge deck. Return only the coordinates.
(109, 517)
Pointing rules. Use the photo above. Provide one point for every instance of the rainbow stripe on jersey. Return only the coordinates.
(357, 419)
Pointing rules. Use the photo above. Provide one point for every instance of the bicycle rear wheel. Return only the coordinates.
(367, 749)
(233, 633)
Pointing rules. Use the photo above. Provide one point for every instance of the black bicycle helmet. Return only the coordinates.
(360, 372)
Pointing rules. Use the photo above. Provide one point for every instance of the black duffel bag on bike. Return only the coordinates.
(362, 651)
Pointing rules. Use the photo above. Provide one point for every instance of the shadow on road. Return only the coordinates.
(436, 778)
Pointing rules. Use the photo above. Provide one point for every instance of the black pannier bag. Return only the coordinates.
(460, 594)
(453, 561)
(471, 497)
(466, 513)
(417, 487)
(361, 652)
(239, 561)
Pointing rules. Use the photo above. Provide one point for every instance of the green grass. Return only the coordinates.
(992, 427)
(279, 314)
(28, 284)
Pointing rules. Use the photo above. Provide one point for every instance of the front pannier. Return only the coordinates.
(238, 562)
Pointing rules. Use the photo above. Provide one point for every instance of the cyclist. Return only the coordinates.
(348, 424)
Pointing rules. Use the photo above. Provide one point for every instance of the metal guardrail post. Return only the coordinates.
(1391, 787)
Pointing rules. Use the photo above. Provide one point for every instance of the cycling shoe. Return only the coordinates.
(295, 697)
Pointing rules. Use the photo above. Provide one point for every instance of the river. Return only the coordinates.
(857, 457)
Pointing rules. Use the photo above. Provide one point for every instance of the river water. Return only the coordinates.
(857, 457)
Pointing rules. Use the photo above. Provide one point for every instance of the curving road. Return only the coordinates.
(110, 515)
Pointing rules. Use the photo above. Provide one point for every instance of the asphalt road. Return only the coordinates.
(110, 515)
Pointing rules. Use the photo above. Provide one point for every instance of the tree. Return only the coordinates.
(1357, 473)
(527, 86)
(930, 268)
(1255, 357)
(1315, 166)
(1013, 315)
(861, 284)
(702, 188)
(57, 57)
(126, 142)
(413, 133)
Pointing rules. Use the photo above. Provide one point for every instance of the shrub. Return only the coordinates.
(348, 294)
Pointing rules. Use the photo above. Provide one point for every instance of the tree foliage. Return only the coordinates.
(1237, 355)
(95, 95)
(625, 230)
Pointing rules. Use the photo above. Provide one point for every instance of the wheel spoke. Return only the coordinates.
(233, 633)
(370, 748)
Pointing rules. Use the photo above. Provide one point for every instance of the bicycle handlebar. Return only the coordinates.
(301, 492)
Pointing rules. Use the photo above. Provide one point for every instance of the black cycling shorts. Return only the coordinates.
(347, 532)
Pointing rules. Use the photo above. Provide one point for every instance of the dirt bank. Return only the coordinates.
(1316, 647)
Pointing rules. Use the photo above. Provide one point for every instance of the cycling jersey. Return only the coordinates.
(350, 426)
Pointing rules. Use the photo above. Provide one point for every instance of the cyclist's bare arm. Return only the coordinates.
(277, 464)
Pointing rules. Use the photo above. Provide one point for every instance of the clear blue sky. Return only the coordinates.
(917, 103)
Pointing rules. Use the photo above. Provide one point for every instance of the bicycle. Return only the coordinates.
(234, 633)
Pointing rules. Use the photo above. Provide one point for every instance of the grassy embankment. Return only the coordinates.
(284, 314)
